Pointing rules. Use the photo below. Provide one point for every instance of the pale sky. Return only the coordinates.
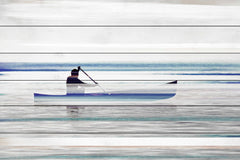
(121, 58)
(118, 39)
(120, 12)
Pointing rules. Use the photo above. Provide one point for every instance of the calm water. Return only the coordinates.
(121, 153)
(129, 153)
(203, 121)
(204, 106)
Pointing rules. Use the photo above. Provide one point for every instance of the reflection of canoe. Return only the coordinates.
(95, 98)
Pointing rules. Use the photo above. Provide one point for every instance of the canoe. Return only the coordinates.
(117, 97)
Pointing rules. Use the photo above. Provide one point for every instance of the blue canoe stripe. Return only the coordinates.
(105, 96)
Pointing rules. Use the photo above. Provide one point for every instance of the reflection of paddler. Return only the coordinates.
(75, 85)
(74, 111)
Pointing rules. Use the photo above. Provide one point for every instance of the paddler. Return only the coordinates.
(74, 77)
(75, 85)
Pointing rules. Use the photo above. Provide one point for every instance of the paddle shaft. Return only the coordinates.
(91, 79)
(88, 76)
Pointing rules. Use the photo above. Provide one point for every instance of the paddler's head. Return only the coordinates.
(74, 72)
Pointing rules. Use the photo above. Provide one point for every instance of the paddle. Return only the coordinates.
(79, 68)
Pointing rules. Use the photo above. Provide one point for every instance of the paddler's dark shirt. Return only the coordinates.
(73, 80)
